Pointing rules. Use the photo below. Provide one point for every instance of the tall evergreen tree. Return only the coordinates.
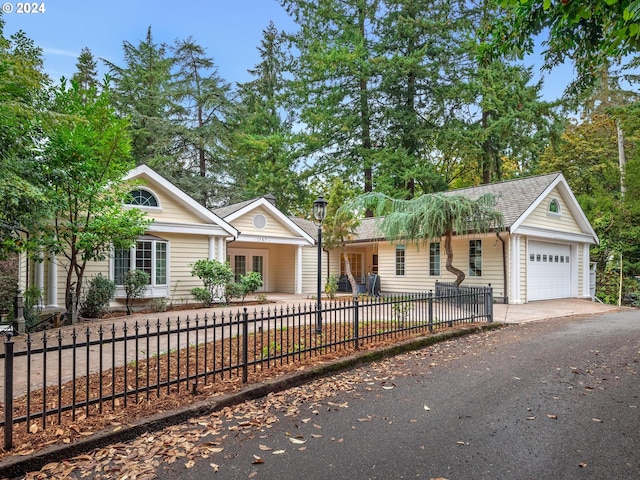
(263, 146)
(142, 91)
(203, 104)
(334, 80)
(421, 52)
(86, 70)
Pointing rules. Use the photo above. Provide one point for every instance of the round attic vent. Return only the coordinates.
(259, 221)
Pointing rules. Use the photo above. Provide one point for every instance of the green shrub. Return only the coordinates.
(32, 306)
(202, 295)
(158, 304)
(250, 282)
(100, 291)
(135, 284)
(233, 290)
(214, 275)
(8, 282)
(331, 287)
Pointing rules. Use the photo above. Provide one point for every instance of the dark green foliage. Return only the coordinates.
(8, 283)
(203, 296)
(32, 297)
(590, 33)
(232, 290)
(135, 284)
(214, 275)
(250, 283)
(99, 292)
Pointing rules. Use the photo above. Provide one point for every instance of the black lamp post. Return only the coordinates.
(319, 212)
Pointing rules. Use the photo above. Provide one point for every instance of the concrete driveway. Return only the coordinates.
(545, 309)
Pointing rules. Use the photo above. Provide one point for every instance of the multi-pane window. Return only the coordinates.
(150, 256)
(239, 267)
(434, 259)
(142, 198)
(355, 262)
(400, 259)
(475, 258)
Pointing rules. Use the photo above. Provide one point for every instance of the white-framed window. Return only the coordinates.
(400, 259)
(151, 255)
(142, 198)
(475, 258)
(554, 207)
(434, 259)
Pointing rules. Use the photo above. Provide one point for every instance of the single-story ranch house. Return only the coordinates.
(542, 253)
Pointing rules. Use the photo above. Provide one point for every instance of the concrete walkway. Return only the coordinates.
(545, 309)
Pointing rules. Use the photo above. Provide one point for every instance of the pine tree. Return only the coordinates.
(86, 70)
(142, 91)
(203, 104)
(334, 78)
(263, 145)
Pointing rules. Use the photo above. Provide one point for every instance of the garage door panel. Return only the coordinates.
(548, 271)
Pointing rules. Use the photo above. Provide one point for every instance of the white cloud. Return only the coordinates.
(59, 52)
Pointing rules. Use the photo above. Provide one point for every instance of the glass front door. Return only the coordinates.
(243, 261)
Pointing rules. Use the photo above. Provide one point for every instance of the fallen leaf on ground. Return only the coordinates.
(257, 460)
(297, 441)
(215, 467)
(552, 416)
(265, 448)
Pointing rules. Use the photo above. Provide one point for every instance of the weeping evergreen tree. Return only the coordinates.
(421, 219)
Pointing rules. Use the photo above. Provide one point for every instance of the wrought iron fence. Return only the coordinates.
(105, 367)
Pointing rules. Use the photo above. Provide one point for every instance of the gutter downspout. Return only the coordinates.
(504, 268)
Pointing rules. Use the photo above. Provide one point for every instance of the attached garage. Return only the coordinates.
(548, 271)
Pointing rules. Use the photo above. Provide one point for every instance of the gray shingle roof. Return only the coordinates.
(308, 226)
(223, 212)
(513, 198)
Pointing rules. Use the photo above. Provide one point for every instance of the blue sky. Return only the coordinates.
(230, 30)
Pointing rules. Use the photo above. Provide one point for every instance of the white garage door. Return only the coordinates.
(548, 271)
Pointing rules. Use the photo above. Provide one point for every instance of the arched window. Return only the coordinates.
(142, 198)
(554, 207)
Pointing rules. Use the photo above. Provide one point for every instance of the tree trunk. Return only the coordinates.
(347, 268)
(449, 251)
(621, 158)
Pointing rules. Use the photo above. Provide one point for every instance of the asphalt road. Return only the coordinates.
(557, 399)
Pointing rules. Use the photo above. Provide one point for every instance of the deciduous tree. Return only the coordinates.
(84, 160)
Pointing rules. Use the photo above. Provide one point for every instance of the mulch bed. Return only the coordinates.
(68, 426)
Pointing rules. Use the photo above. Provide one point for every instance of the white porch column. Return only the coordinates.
(52, 286)
(514, 280)
(212, 247)
(221, 250)
(38, 273)
(298, 287)
(586, 271)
